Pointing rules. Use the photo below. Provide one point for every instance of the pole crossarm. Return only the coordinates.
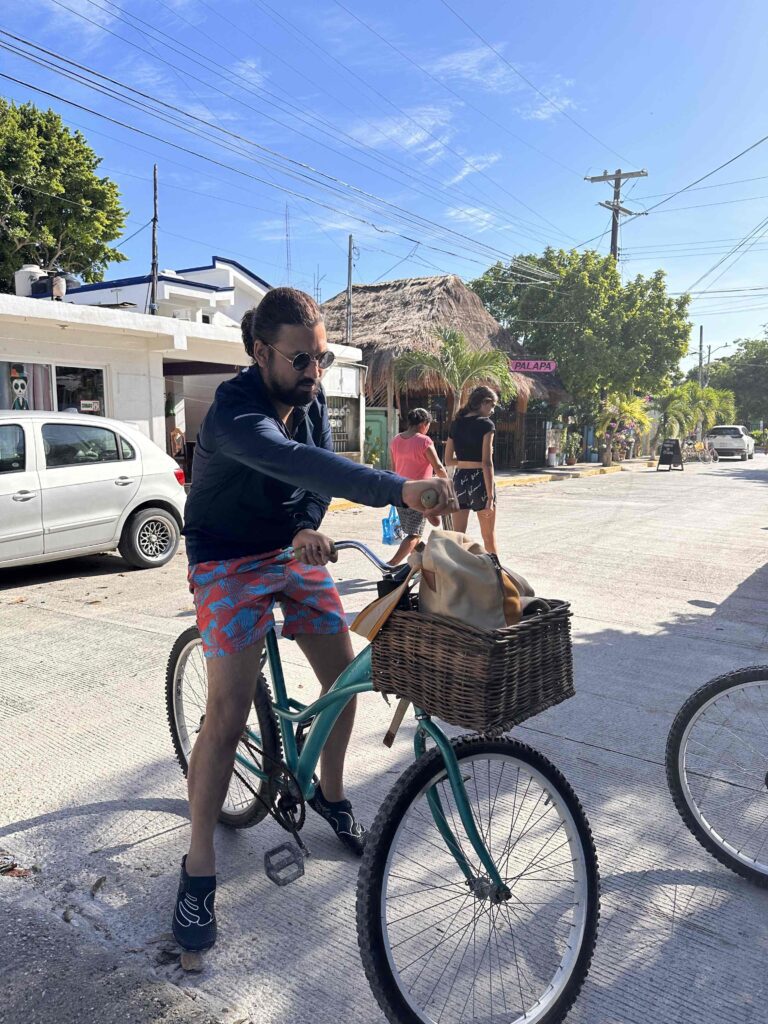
(620, 175)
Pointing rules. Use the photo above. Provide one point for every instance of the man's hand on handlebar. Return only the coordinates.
(314, 548)
(434, 497)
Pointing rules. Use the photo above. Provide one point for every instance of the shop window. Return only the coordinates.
(80, 390)
(12, 454)
(344, 414)
(25, 386)
(75, 444)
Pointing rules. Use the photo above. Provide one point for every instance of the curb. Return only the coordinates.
(340, 504)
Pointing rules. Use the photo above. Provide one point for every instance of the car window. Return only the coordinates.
(12, 451)
(127, 449)
(725, 432)
(73, 444)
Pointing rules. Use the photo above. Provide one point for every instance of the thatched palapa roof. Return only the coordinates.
(394, 317)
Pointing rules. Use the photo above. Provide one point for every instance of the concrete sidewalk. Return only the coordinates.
(522, 478)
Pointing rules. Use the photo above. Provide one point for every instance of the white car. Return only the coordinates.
(732, 439)
(75, 485)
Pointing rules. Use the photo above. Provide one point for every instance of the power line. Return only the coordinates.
(722, 184)
(290, 108)
(327, 182)
(758, 231)
(172, 45)
(532, 85)
(453, 92)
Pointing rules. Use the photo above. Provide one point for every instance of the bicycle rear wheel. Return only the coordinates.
(435, 951)
(186, 691)
(717, 769)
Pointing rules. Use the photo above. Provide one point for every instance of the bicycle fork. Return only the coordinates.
(491, 885)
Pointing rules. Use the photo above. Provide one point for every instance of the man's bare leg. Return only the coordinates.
(231, 687)
(329, 656)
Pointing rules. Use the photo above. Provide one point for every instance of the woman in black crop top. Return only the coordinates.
(470, 450)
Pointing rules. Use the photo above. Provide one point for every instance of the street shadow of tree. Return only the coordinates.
(670, 912)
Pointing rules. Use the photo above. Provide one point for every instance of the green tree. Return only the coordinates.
(604, 335)
(54, 208)
(683, 408)
(455, 368)
(745, 373)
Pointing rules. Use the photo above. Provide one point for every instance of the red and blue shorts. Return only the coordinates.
(235, 600)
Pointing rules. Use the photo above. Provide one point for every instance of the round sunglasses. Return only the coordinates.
(301, 360)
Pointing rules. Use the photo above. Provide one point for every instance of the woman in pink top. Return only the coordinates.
(414, 457)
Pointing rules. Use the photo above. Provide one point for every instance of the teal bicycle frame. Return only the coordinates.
(324, 713)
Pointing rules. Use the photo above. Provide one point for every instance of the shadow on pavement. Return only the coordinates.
(86, 567)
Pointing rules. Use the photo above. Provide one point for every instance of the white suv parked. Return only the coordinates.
(732, 439)
(78, 485)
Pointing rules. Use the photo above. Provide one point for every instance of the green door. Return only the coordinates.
(376, 443)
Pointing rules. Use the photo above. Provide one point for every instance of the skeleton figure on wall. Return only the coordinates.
(19, 387)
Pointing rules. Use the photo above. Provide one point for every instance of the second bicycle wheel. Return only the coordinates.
(435, 951)
(186, 692)
(717, 769)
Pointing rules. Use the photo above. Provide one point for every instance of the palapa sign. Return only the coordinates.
(532, 365)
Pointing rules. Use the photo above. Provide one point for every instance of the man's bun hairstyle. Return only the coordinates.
(279, 306)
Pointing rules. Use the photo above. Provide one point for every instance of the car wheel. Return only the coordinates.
(743, 456)
(751, 455)
(150, 538)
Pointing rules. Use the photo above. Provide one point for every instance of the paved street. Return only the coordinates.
(666, 576)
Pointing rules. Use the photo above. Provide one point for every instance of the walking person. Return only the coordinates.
(264, 471)
(470, 450)
(414, 457)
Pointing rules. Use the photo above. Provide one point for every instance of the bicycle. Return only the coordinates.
(478, 892)
(717, 769)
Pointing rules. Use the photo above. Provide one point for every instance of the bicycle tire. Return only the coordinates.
(257, 804)
(373, 900)
(691, 814)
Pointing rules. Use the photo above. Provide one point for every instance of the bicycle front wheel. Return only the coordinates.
(436, 951)
(186, 693)
(717, 769)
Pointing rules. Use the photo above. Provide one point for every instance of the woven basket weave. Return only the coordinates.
(481, 680)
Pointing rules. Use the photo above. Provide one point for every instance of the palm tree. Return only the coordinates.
(456, 368)
(674, 415)
(623, 411)
(708, 406)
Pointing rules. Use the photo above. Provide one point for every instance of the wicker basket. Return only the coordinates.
(481, 680)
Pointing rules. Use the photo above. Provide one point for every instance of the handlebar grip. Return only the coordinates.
(429, 498)
(334, 555)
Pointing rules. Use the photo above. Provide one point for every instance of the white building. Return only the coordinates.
(99, 353)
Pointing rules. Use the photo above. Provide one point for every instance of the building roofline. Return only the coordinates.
(231, 263)
(125, 282)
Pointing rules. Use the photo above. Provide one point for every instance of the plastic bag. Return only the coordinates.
(391, 530)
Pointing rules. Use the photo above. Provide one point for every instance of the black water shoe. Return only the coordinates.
(339, 816)
(194, 919)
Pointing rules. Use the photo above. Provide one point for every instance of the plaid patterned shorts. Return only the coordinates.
(235, 600)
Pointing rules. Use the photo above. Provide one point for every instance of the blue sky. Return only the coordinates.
(455, 157)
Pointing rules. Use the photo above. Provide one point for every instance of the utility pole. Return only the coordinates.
(618, 178)
(701, 355)
(348, 330)
(709, 360)
(153, 285)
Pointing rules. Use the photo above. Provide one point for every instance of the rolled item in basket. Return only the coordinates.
(460, 580)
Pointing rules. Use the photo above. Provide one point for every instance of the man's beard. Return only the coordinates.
(296, 395)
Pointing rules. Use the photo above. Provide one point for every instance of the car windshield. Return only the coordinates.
(725, 432)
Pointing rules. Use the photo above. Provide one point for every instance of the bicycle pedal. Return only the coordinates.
(284, 864)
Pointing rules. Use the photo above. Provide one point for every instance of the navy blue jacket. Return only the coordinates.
(255, 485)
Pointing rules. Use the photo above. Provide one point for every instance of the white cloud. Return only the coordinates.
(421, 129)
(473, 165)
(472, 216)
(251, 69)
(480, 66)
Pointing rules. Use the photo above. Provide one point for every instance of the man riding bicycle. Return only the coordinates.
(263, 473)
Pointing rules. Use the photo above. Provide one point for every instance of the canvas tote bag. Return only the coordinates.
(460, 580)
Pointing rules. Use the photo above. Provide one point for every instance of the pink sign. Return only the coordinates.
(532, 365)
